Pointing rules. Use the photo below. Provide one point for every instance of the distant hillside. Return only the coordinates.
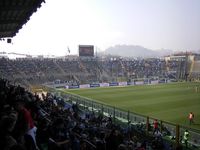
(135, 51)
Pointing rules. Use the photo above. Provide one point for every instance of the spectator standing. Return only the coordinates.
(155, 125)
(186, 137)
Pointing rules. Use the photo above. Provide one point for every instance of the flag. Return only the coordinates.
(68, 49)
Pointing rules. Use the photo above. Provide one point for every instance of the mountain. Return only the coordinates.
(135, 51)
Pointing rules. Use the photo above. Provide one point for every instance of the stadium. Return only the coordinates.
(95, 102)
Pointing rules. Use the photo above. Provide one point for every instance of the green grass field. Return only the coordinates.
(169, 102)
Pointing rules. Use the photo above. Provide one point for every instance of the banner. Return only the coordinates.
(60, 87)
(162, 81)
(113, 84)
(130, 83)
(146, 81)
(83, 86)
(73, 86)
(139, 82)
(104, 84)
(94, 85)
(122, 83)
(154, 82)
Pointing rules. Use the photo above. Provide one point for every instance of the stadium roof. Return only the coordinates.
(14, 14)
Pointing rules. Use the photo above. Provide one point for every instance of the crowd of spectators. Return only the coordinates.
(139, 68)
(28, 122)
(83, 71)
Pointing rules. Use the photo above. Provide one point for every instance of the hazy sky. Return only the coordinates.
(154, 24)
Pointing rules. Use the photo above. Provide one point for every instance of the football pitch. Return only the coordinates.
(169, 102)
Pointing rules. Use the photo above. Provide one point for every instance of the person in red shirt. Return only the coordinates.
(155, 125)
(191, 118)
(25, 123)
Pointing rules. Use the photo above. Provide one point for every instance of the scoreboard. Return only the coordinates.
(86, 50)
